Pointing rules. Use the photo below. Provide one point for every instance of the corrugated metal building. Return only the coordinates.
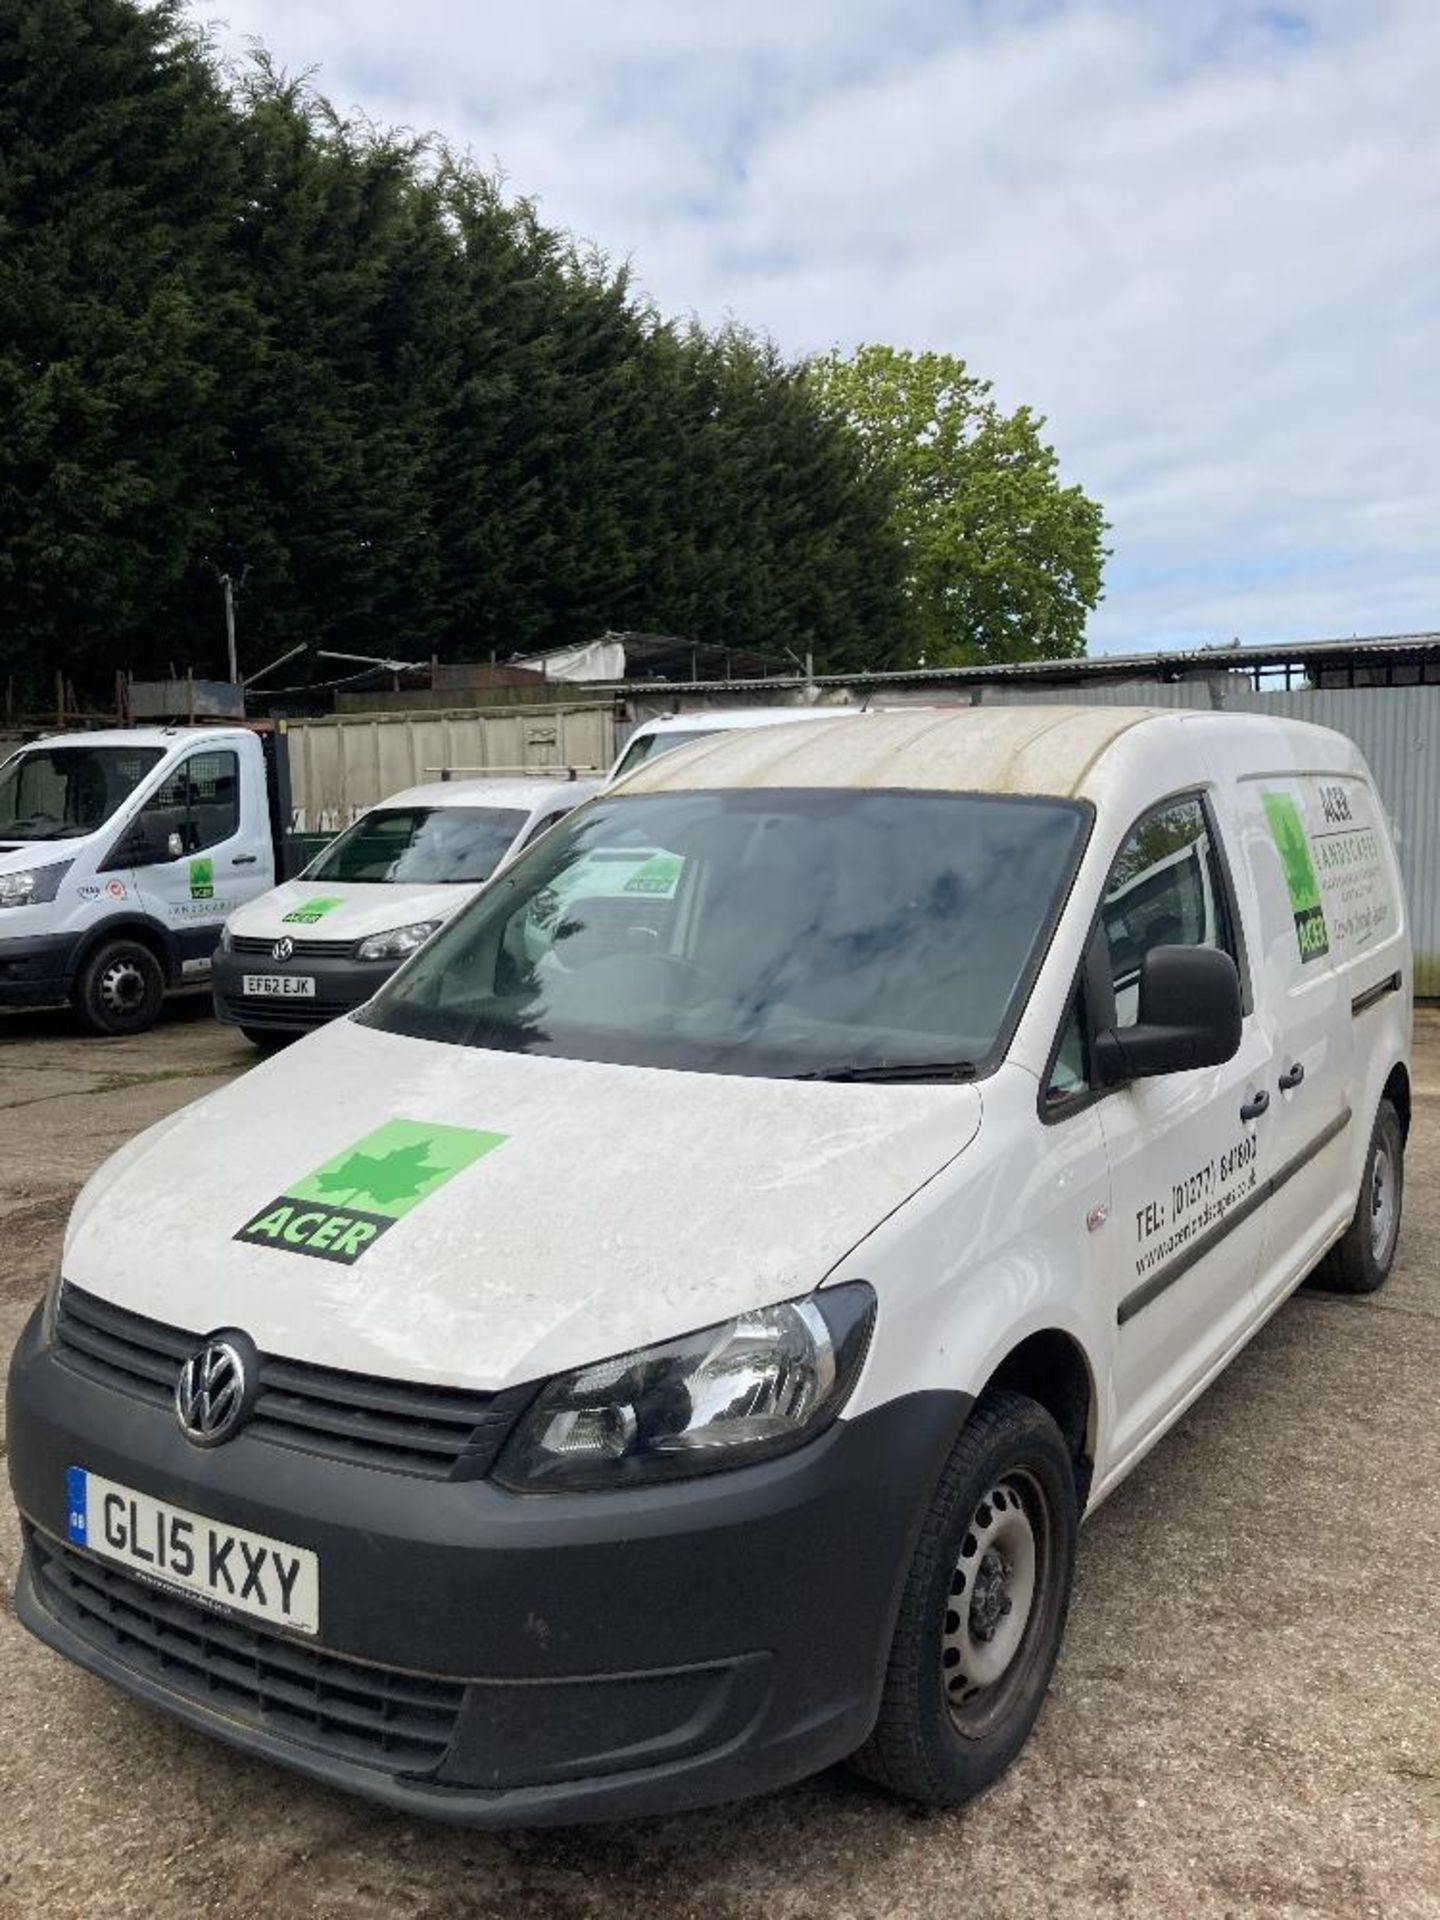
(1384, 693)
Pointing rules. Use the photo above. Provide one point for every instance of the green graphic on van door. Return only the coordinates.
(1288, 833)
(342, 1208)
(202, 879)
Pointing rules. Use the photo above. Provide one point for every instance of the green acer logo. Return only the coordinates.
(343, 1207)
(1288, 833)
(202, 879)
(309, 911)
(659, 876)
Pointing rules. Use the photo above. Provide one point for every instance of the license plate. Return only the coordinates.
(223, 1566)
(279, 986)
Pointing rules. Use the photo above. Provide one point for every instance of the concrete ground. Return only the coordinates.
(1245, 1718)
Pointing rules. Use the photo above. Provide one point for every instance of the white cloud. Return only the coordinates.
(1199, 237)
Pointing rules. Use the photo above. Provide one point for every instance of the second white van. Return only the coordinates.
(322, 943)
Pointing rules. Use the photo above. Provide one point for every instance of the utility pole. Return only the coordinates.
(228, 589)
(230, 586)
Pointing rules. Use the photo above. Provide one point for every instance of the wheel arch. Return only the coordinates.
(133, 926)
(1397, 1091)
(1051, 1367)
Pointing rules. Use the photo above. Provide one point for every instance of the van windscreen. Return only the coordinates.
(650, 746)
(765, 932)
(410, 844)
(60, 793)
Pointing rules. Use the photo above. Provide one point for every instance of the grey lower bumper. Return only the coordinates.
(599, 1656)
(341, 985)
(37, 971)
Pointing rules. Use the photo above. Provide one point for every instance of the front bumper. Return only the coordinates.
(341, 985)
(36, 971)
(598, 1656)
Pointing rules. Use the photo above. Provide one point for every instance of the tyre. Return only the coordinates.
(983, 1609)
(120, 988)
(266, 1039)
(1361, 1262)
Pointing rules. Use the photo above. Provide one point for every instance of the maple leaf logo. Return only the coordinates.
(401, 1174)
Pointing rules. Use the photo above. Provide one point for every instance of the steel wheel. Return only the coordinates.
(1384, 1204)
(122, 987)
(992, 1599)
(983, 1607)
(1361, 1260)
(119, 988)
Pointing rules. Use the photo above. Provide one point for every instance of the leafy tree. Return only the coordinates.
(1002, 561)
(117, 170)
(332, 383)
(241, 334)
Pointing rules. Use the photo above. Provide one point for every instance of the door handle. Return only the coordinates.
(1292, 1077)
(244, 860)
(1253, 1109)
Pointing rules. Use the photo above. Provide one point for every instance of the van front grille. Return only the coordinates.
(397, 1424)
(303, 949)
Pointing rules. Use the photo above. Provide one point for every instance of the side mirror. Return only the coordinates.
(1189, 1017)
(144, 843)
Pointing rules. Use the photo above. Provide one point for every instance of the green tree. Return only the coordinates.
(117, 170)
(332, 383)
(1002, 562)
(241, 334)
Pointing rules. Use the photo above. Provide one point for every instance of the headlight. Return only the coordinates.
(34, 886)
(50, 1310)
(395, 946)
(750, 1388)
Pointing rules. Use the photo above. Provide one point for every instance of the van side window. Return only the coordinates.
(544, 825)
(1165, 890)
(200, 801)
(1069, 1076)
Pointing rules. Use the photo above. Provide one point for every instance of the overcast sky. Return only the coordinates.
(1200, 237)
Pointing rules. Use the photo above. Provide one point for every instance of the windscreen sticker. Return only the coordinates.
(309, 911)
(202, 879)
(342, 1208)
(658, 878)
(1288, 834)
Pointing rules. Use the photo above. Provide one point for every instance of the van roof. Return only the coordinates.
(737, 719)
(158, 736)
(524, 795)
(1000, 749)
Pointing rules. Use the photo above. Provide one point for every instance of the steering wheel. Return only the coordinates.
(633, 960)
(690, 969)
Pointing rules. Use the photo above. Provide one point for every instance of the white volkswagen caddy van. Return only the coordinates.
(656, 737)
(666, 1341)
(320, 944)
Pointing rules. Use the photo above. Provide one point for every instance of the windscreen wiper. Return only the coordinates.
(899, 1071)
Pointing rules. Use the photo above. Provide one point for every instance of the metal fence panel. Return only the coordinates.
(338, 767)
